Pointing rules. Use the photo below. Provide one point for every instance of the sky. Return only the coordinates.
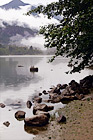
(35, 2)
(11, 16)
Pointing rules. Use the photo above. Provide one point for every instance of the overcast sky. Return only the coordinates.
(11, 16)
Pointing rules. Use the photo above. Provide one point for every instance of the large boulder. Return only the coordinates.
(87, 82)
(42, 107)
(77, 88)
(2, 105)
(37, 120)
(74, 85)
(20, 114)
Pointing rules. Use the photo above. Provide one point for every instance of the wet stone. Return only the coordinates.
(7, 123)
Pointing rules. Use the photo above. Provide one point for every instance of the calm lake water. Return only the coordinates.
(19, 84)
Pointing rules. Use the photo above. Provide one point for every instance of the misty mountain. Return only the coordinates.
(14, 4)
(14, 30)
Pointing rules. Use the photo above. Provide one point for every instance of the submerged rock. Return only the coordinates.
(7, 123)
(2, 105)
(37, 120)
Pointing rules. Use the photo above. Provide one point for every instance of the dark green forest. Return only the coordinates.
(15, 50)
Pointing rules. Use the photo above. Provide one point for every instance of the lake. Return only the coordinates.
(17, 83)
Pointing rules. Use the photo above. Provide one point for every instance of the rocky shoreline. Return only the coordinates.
(61, 93)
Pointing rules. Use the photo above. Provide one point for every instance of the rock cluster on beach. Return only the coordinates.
(73, 91)
(61, 93)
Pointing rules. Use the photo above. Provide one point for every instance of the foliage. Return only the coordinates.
(73, 36)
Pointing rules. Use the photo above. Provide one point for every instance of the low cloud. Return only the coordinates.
(19, 18)
(37, 41)
(12, 16)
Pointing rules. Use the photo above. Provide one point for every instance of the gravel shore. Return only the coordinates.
(79, 124)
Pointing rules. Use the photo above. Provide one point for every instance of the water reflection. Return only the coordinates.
(34, 130)
(13, 75)
(15, 104)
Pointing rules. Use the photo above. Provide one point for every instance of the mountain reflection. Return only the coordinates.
(12, 75)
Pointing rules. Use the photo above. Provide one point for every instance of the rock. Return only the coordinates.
(77, 88)
(55, 98)
(33, 69)
(6, 123)
(74, 85)
(79, 97)
(38, 112)
(20, 114)
(68, 98)
(47, 101)
(68, 91)
(61, 118)
(29, 104)
(37, 100)
(59, 85)
(55, 90)
(2, 105)
(87, 82)
(41, 107)
(50, 108)
(44, 92)
(37, 120)
(40, 94)
(63, 86)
